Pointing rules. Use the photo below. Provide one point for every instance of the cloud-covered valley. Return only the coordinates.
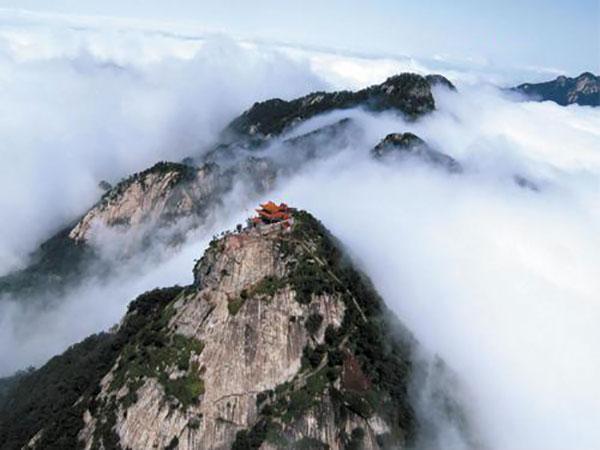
(500, 280)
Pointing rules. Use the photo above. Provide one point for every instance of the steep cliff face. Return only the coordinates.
(279, 343)
(163, 193)
(166, 195)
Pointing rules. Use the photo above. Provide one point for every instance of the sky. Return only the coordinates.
(562, 35)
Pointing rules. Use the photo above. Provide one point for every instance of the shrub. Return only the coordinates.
(233, 306)
(313, 323)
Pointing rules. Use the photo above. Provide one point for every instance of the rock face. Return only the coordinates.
(583, 90)
(167, 194)
(403, 145)
(279, 343)
(407, 93)
(163, 193)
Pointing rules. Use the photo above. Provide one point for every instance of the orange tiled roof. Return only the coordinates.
(270, 207)
(270, 211)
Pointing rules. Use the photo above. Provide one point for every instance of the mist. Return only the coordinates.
(81, 106)
(499, 281)
(34, 329)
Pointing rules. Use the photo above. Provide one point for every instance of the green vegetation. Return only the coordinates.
(264, 289)
(235, 304)
(46, 398)
(378, 379)
(54, 397)
(173, 444)
(7, 383)
(58, 262)
(186, 389)
(308, 279)
(105, 435)
(313, 323)
(267, 287)
(384, 350)
(153, 351)
(409, 93)
(251, 439)
(308, 443)
(356, 439)
(184, 173)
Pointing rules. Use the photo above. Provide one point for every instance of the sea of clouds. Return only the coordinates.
(502, 282)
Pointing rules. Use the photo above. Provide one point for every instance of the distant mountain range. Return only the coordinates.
(583, 90)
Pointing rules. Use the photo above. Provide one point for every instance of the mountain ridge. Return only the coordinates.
(583, 90)
(278, 332)
(187, 193)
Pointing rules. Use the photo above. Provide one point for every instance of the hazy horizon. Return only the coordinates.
(554, 35)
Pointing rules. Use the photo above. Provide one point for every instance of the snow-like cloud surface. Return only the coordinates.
(81, 106)
(503, 282)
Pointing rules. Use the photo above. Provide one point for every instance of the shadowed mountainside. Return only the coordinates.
(583, 90)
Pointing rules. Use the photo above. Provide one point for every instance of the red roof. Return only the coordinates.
(271, 212)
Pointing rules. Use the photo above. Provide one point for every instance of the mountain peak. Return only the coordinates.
(279, 331)
(402, 145)
(583, 90)
(407, 93)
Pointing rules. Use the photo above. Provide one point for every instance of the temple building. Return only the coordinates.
(272, 213)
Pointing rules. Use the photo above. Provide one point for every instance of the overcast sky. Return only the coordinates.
(559, 34)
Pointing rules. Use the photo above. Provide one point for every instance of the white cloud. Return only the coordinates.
(79, 106)
(502, 282)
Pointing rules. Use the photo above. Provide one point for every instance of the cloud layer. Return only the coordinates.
(501, 281)
(81, 106)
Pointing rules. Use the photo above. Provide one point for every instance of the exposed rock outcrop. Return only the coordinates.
(156, 196)
(583, 90)
(167, 194)
(279, 343)
(404, 145)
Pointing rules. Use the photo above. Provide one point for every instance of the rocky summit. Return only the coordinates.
(280, 342)
(404, 145)
(582, 90)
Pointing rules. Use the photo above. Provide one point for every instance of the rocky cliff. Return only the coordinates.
(160, 194)
(279, 343)
(582, 90)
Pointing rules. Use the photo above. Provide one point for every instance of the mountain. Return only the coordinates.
(408, 93)
(583, 90)
(167, 200)
(404, 145)
(280, 342)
